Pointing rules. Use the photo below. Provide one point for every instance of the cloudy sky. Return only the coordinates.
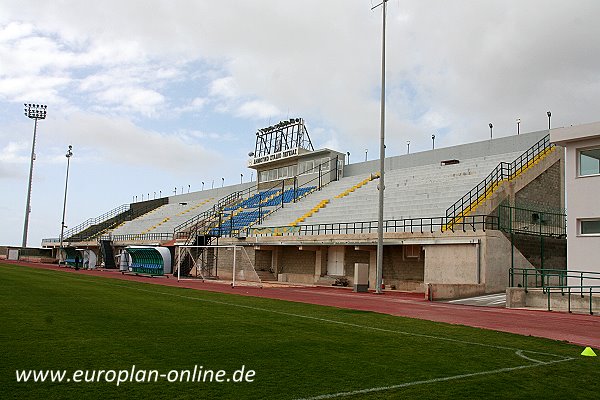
(155, 95)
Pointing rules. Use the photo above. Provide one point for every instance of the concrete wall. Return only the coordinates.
(297, 261)
(496, 261)
(536, 298)
(263, 260)
(243, 263)
(451, 263)
(554, 251)
(546, 190)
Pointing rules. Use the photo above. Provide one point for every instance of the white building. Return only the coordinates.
(582, 179)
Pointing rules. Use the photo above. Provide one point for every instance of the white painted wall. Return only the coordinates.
(583, 197)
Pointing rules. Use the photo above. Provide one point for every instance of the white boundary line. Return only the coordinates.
(434, 380)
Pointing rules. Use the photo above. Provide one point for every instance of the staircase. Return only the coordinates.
(503, 173)
(107, 254)
(266, 276)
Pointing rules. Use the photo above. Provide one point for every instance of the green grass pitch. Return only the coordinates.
(63, 321)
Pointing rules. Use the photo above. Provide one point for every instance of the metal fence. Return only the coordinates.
(409, 225)
(556, 281)
(532, 220)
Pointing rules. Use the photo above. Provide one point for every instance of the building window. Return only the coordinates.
(272, 174)
(589, 162)
(412, 251)
(309, 167)
(589, 227)
(264, 176)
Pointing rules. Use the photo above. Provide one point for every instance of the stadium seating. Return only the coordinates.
(415, 192)
(164, 219)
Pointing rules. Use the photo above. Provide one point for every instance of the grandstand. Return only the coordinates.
(309, 217)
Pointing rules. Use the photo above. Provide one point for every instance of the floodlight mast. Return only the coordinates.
(62, 224)
(379, 277)
(35, 112)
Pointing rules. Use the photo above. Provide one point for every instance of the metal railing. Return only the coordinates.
(504, 171)
(128, 215)
(132, 237)
(557, 281)
(213, 218)
(541, 278)
(580, 290)
(409, 225)
(532, 221)
(94, 221)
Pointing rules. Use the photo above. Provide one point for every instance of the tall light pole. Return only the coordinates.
(62, 224)
(202, 185)
(222, 182)
(379, 276)
(518, 126)
(408, 147)
(433, 142)
(491, 127)
(241, 178)
(549, 114)
(348, 153)
(35, 112)
(366, 154)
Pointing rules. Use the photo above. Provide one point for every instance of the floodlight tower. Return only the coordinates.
(35, 112)
(549, 114)
(62, 224)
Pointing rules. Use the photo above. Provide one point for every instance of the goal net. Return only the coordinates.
(228, 263)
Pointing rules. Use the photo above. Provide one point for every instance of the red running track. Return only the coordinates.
(580, 329)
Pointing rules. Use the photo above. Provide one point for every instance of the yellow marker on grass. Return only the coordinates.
(588, 352)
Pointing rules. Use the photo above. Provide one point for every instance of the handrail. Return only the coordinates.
(582, 290)
(542, 277)
(127, 215)
(504, 171)
(532, 221)
(215, 214)
(408, 225)
(159, 236)
(93, 221)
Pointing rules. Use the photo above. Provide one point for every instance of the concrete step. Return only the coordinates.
(266, 276)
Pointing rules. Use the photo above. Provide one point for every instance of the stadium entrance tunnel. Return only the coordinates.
(149, 260)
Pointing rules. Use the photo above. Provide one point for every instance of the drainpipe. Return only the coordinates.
(478, 250)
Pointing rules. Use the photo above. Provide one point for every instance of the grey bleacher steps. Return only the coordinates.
(135, 210)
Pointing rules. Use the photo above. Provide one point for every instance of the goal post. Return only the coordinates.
(228, 263)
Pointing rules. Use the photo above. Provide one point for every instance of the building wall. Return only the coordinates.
(544, 190)
(582, 193)
(451, 263)
(295, 261)
(263, 259)
(397, 267)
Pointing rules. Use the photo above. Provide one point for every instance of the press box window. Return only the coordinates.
(589, 162)
(589, 227)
